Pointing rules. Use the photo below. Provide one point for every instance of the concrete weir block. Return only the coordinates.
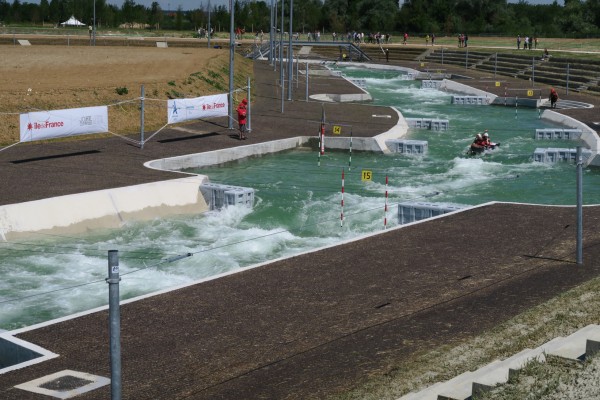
(405, 146)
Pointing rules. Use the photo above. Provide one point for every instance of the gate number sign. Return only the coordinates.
(337, 129)
(366, 175)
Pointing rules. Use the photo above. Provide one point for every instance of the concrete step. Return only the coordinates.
(461, 387)
(503, 371)
(430, 393)
(482, 379)
(575, 346)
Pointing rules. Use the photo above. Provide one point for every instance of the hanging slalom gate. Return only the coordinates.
(337, 139)
(385, 209)
(342, 203)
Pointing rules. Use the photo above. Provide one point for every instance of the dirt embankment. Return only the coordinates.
(60, 77)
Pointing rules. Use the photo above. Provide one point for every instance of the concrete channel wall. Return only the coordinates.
(109, 208)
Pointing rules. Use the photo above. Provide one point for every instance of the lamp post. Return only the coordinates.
(94, 26)
(208, 33)
(290, 54)
(231, 65)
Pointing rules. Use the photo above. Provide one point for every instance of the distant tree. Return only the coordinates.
(259, 15)
(4, 11)
(44, 11)
(15, 11)
(336, 14)
(219, 18)
(179, 19)
(376, 15)
(575, 21)
(197, 18)
(54, 14)
(156, 15)
(593, 11)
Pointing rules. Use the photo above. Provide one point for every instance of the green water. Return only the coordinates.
(508, 174)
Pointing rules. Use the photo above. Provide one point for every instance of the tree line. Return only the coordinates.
(576, 18)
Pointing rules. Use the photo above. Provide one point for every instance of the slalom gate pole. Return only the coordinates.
(539, 109)
(516, 106)
(142, 117)
(342, 212)
(505, 104)
(350, 156)
(322, 129)
(319, 151)
(385, 210)
(322, 150)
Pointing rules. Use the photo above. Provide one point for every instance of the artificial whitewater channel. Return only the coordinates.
(297, 206)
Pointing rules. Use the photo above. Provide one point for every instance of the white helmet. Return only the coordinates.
(478, 136)
(485, 134)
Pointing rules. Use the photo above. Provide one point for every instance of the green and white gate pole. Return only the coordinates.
(142, 95)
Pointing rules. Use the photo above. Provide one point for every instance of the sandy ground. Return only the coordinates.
(61, 67)
(59, 77)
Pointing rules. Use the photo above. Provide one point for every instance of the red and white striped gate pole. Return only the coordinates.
(342, 213)
(386, 204)
(322, 139)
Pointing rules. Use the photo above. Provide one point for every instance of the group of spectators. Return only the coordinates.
(463, 40)
(528, 41)
(360, 37)
(203, 33)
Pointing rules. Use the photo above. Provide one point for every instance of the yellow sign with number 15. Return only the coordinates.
(366, 175)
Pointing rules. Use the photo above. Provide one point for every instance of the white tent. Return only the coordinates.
(72, 22)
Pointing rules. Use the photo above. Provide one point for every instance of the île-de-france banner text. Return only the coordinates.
(41, 125)
(197, 108)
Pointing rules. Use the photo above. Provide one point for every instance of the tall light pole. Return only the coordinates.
(290, 54)
(208, 33)
(231, 65)
(281, 76)
(94, 26)
(271, 43)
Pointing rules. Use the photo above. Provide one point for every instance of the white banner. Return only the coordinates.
(60, 123)
(200, 107)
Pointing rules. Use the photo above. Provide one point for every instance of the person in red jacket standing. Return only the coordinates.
(553, 98)
(242, 111)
